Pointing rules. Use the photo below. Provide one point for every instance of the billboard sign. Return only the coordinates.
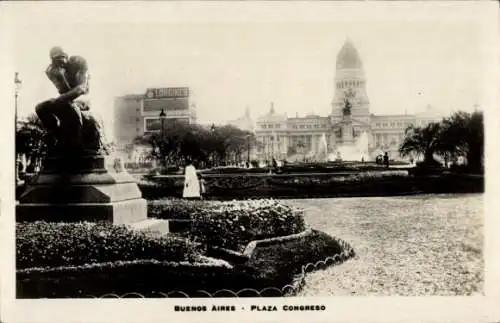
(167, 104)
(167, 92)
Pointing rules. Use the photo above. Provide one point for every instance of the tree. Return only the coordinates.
(422, 141)
(205, 147)
(463, 135)
(32, 141)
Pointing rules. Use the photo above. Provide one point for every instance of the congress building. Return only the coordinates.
(296, 138)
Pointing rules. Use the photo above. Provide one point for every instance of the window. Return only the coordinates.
(294, 126)
(378, 125)
(393, 124)
(323, 126)
(316, 126)
(264, 126)
(309, 126)
(278, 125)
(301, 126)
(269, 126)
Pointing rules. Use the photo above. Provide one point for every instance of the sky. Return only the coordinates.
(241, 60)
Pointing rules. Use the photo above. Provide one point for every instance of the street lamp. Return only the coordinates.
(17, 83)
(248, 150)
(163, 116)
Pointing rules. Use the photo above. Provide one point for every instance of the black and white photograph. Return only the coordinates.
(248, 159)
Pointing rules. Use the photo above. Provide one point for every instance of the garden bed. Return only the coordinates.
(57, 266)
(231, 224)
(368, 183)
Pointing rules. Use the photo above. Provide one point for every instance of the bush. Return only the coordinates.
(41, 244)
(233, 225)
(166, 170)
(175, 208)
(235, 170)
(278, 263)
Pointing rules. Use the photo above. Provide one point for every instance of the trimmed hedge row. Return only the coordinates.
(174, 208)
(41, 244)
(275, 265)
(232, 225)
(324, 185)
(278, 263)
(142, 276)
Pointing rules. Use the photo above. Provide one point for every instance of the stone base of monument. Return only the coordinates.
(83, 189)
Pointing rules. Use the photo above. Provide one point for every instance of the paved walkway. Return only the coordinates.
(412, 246)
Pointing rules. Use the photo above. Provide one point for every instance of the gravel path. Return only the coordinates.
(411, 246)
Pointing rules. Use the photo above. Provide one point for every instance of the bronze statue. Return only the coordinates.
(347, 107)
(67, 118)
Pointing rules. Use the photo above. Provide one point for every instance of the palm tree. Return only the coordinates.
(422, 141)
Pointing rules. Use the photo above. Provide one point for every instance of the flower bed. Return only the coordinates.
(41, 244)
(365, 183)
(234, 224)
(141, 276)
(277, 264)
(176, 208)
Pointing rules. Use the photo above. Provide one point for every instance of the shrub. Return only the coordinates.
(233, 225)
(278, 263)
(41, 244)
(235, 170)
(175, 208)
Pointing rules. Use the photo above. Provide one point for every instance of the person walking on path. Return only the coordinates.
(191, 182)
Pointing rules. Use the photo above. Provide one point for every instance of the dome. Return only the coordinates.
(348, 57)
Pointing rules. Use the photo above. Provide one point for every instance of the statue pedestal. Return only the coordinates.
(347, 132)
(81, 189)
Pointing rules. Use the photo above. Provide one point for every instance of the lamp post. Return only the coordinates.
(248, 150)
(17, 83)
(163, 116)
(162, 132)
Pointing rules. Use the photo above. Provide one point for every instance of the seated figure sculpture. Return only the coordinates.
(67, 119)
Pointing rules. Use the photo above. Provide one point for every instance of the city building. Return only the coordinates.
(298, 138)
(139, 114)
(244, 123)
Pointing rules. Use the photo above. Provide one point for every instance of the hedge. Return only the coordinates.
(172, 208)
(139, 276)
(41, 244)
(367, 183)
(232, 225)
(277, 264)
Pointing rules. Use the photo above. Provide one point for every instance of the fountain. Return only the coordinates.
(351, 148)
(322, 151)
(356, 151)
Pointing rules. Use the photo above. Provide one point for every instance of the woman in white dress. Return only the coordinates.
(191, 182)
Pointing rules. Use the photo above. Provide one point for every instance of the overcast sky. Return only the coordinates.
(412, 56)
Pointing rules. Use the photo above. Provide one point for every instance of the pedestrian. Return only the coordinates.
(191, 182)
(386, 160)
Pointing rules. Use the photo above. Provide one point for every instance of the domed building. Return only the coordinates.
(350, 129)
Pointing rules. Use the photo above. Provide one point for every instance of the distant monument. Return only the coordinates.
(75, 184)
(347, 108)
(352, 147)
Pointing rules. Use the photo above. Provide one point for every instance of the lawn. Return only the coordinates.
(410, 246)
